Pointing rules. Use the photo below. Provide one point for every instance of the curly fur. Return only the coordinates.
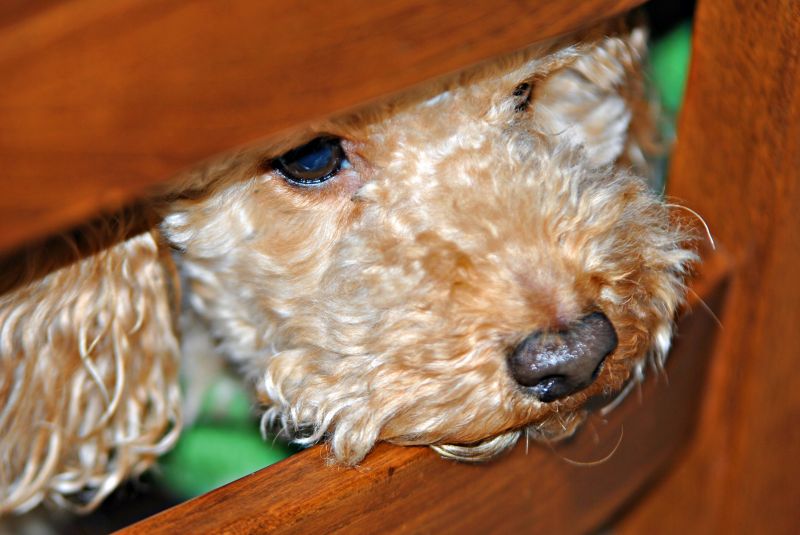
(88, 376)
(380, 305)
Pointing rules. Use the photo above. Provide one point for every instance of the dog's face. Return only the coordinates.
(445, 269)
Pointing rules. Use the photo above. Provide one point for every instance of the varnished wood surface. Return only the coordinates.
(102, 99)
(411, 490)
(738, 164)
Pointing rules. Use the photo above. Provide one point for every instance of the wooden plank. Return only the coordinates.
(534, 489)
(101, 100)
(738, 164)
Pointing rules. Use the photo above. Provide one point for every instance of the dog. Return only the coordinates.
(459, 266)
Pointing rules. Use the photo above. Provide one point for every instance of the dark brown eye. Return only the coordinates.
(522, 97)
(313, 163)
(522, 89)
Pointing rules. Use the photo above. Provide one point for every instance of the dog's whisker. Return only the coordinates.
(707, 308)
(699, 218)
(605, 459)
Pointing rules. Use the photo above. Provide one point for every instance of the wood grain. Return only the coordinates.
(738, 164)
(102, 99)
(411, 490)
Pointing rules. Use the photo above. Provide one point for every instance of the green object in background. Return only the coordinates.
(669, 58)
(222, 445)
(209, 456)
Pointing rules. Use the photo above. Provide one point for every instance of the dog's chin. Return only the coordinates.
(482, 451)
(553, 429)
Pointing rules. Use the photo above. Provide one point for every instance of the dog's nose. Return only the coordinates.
(554, 365)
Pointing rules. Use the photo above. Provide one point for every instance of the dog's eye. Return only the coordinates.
(522, 97)
(313, 163)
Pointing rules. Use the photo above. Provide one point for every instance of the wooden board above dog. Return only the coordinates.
(101, 100)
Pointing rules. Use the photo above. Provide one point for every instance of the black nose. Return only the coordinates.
(556, 364)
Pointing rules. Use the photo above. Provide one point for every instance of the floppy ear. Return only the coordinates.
(88, 375)
(599, 101)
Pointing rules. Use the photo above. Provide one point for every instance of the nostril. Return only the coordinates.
(556, 364)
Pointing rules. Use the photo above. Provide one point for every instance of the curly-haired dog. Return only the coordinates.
(456, 267)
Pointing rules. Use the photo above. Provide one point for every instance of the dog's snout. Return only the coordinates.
(554, 365)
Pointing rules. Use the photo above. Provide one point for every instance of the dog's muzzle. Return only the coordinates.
(553, 365)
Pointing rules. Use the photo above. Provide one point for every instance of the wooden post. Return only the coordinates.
(738, 164)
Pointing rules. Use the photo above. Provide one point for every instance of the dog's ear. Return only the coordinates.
(599, 100)
(88, 372)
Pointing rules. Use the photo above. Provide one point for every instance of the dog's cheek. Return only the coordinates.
(634, 263)
(285, 247)
(644, 319)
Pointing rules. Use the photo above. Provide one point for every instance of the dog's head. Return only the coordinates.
(449, 268)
